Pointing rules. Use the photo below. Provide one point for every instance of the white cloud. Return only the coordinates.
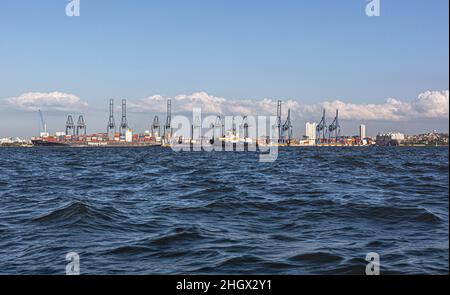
(46, 101)
(430, 104)
(208, 104)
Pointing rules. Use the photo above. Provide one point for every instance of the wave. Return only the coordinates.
(129, 250)
(241, 260)
(316, 257)
(402, 214)
(77, 211)
(178, 235)
(281, 205)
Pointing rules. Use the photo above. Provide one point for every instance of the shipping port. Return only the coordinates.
(239, 135)
(75, 134)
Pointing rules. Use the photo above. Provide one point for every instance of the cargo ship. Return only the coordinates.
(96, 140)
(47, 143)
(43, 142)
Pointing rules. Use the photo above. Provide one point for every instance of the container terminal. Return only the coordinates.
(121, 135)
(76, 135)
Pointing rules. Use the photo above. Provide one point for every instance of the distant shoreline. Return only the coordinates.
(293, 146)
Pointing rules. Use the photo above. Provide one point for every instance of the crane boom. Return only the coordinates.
(44, 126)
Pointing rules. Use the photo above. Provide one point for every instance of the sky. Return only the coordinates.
(389, 72)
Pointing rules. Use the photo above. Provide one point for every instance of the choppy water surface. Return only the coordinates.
(153, 211)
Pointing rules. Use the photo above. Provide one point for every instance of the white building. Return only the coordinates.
(362, 132)
(6, 140)
(10, 140)
(397, 136)
(129, 136)
(311, 131)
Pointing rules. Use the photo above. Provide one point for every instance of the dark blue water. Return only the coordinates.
(154, 211)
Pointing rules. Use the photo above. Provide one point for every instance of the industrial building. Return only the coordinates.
(323, 134)
(390, 139)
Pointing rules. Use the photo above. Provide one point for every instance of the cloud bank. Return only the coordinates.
(430, 104)
(46, 101)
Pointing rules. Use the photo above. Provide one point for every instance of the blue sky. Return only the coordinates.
(307, 51)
